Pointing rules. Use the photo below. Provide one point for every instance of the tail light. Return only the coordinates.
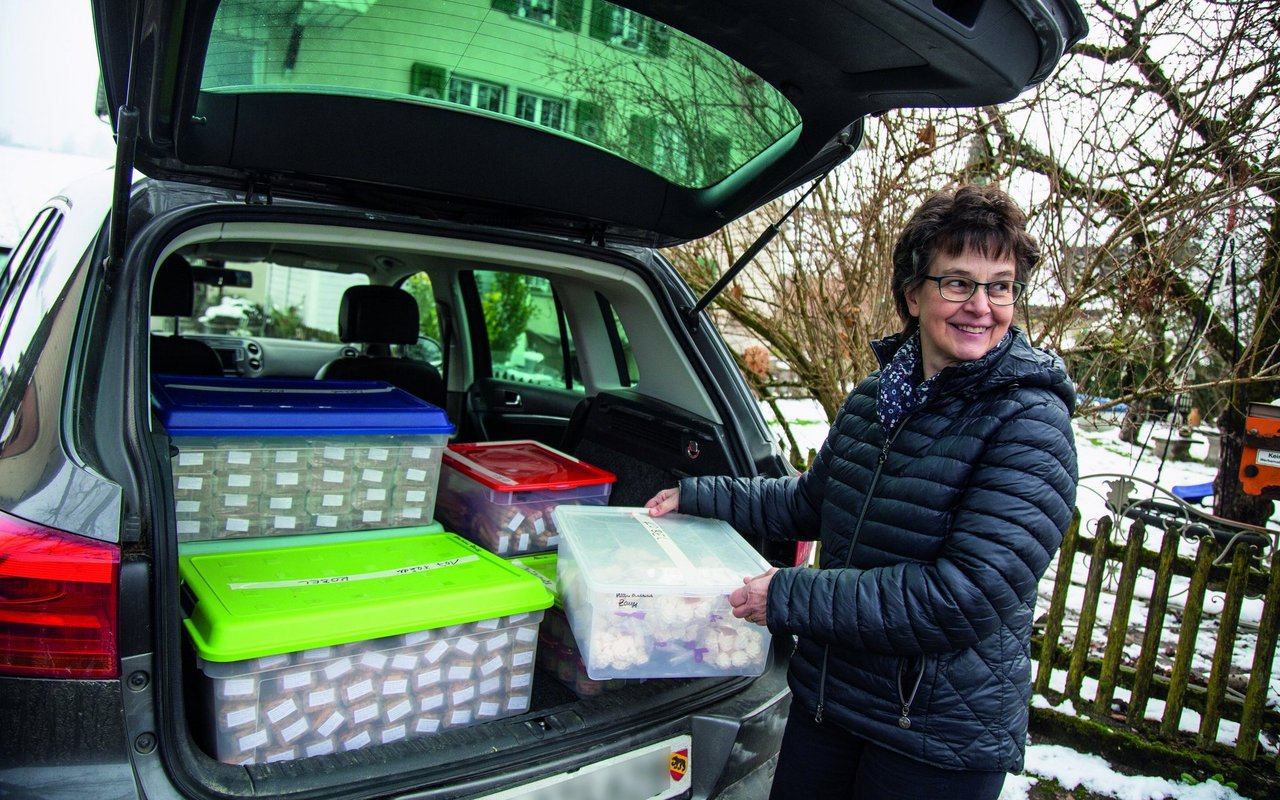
(57, 603)
(804, 554)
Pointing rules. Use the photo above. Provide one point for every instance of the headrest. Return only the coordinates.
(173, 293)
(378, 315)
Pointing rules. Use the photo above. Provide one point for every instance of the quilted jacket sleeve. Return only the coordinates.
(1007, 525)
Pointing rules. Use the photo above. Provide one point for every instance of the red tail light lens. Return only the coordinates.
(804, 554)
(57, 603)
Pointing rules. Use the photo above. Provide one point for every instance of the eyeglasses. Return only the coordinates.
(956, 289)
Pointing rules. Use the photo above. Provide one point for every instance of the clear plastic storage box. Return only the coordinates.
(647, 597)
(282, 457)
(501, 494)
(333, 647)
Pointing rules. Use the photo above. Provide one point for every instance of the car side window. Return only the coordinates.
(528, 335)
(18, 272)
(35, 233)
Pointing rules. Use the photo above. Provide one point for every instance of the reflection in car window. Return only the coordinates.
(283, 303)
(528, 337)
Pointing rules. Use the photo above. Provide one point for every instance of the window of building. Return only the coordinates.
(545, 111)
(477, 94)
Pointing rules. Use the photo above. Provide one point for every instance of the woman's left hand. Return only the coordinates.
(751, 600)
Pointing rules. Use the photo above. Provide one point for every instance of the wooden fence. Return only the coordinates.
(1153, 562)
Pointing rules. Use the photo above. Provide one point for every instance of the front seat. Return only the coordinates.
(173, 295)
(378, 317)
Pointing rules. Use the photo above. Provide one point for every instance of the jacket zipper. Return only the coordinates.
(853, 542)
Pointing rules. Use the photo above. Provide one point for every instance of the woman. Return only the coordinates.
(940, 495)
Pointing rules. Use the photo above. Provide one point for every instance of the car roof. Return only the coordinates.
(655, 122)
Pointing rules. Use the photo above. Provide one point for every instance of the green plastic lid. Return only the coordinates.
(266, 602)
(290, 540)
(543, 566)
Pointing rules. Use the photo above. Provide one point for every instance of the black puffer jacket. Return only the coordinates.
(934, 537)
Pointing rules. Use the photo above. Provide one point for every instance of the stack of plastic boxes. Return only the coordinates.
(336, 646)
(282, 457)
(501, 495)
(558, 652)
(647, 597)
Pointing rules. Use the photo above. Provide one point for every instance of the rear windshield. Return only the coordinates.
(584, 69)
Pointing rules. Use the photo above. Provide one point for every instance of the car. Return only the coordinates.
(288, 173)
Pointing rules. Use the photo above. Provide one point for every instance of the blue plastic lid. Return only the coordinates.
(200, 406)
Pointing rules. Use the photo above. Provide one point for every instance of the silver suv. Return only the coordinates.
(510, 167)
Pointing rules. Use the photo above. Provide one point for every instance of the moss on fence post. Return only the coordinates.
(1187, 638)
(1151, 637)
(1057, 604)
(1088, 609)
(1255, 696)
(1228, 622)
(1118, 630)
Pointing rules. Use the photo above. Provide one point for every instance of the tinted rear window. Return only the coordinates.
(585, 69)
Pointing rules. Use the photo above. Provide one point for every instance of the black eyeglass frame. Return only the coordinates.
(1017, 293)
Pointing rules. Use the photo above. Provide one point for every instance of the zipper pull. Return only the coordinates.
(817, 716)
(904, 721)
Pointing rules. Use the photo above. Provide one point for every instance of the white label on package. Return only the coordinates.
(357, 690)
(317, 654)
(187, 506)
(195, 459)
(524, 542)
(326, 520)
(238, 525)
(272, 661)
(420, 452)
(497, 641)
(295, 730)
(281, 711)
(295, 680)
(526, 634)
(491, 666)
(235, 500)
(393, 734)
(540, 525)
(190, 483)
(239, 687)
(371, 475)
(188, 527)
(466, 644)
(280, 503)
(332, 501)
(287, 754)
(322, 697)
(522, 659)
(516, 521)
(284, 522)
(431, 702)
(286, 479)
(434, 652)
(418, 637)
(371, 515)
(488, 708)
(404, 661)
(427, 725)
(379, 454)
(522, 679)
(460, 716)
(490, 685)
(464, 695)
(363, 576)
(242, 716)
(518, 703)
(669, 547)
(333, 476)
(252, 741)
(337, 669)
(375, 495)
(320, 748)
(459, 673)
(411, 513)
(430, 677)
(361, 739)
(416, 475)
(334, 453)
(286, 457)
(239, 457)
(398, 710)
(365, 713)
(331, 724)
(416, 496)
(1268, 458)
(373, 660)
(240, 481)
(395, 686)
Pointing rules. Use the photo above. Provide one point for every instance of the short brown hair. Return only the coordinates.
(977, 219)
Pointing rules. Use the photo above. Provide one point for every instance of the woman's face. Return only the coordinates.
(953, 332)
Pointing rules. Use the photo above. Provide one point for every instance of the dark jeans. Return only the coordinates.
(820, 761)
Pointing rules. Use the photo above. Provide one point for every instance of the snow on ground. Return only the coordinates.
(1102, 453)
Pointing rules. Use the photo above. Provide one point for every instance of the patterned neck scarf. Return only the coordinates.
(902, 385)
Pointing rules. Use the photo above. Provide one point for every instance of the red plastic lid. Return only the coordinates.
(523, 465)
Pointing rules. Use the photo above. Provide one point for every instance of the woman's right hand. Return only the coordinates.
(663, 502)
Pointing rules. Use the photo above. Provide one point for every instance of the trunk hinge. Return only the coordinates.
(691, 314)
(258, 192)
